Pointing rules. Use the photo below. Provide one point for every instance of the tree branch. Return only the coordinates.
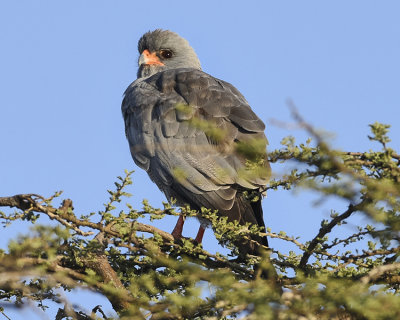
(324, 230)
(376, 272)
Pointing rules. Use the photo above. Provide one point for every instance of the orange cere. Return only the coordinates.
(151, 58)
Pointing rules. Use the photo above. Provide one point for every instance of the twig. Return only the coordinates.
(326, 229)
(356, 235)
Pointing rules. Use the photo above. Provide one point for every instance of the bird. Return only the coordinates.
(195, 136)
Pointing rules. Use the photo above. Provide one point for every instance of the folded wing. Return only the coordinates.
(185, 128)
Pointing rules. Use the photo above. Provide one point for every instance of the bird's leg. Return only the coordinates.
(200, 234)
(177, 232)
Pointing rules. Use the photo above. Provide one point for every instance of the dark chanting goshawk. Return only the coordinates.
(165, 110)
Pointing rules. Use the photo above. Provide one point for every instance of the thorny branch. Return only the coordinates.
(325, 230)
(375, 273)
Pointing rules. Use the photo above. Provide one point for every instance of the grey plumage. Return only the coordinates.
(164, 110)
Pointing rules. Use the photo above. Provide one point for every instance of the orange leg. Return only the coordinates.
(200, 234)
(177, 232)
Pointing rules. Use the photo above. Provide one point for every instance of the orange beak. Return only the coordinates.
(149, 58)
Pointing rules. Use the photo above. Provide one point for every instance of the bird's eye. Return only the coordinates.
(166, 54)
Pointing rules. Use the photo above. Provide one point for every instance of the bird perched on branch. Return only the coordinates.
(195, 135)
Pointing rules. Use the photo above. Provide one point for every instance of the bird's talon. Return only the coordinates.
(196, 243)
(177, 236)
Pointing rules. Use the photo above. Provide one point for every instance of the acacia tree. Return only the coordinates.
(146, 274)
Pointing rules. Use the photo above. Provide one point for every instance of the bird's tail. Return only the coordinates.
(250, 212)
(253, 212)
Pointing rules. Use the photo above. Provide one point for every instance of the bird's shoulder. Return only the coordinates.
(212, 97)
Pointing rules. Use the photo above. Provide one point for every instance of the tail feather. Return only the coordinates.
(253, 213)
(250, 212)
(258, 213)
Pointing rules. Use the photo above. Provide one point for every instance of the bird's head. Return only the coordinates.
(163, 50)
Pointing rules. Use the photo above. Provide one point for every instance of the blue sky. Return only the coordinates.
(65, 65)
